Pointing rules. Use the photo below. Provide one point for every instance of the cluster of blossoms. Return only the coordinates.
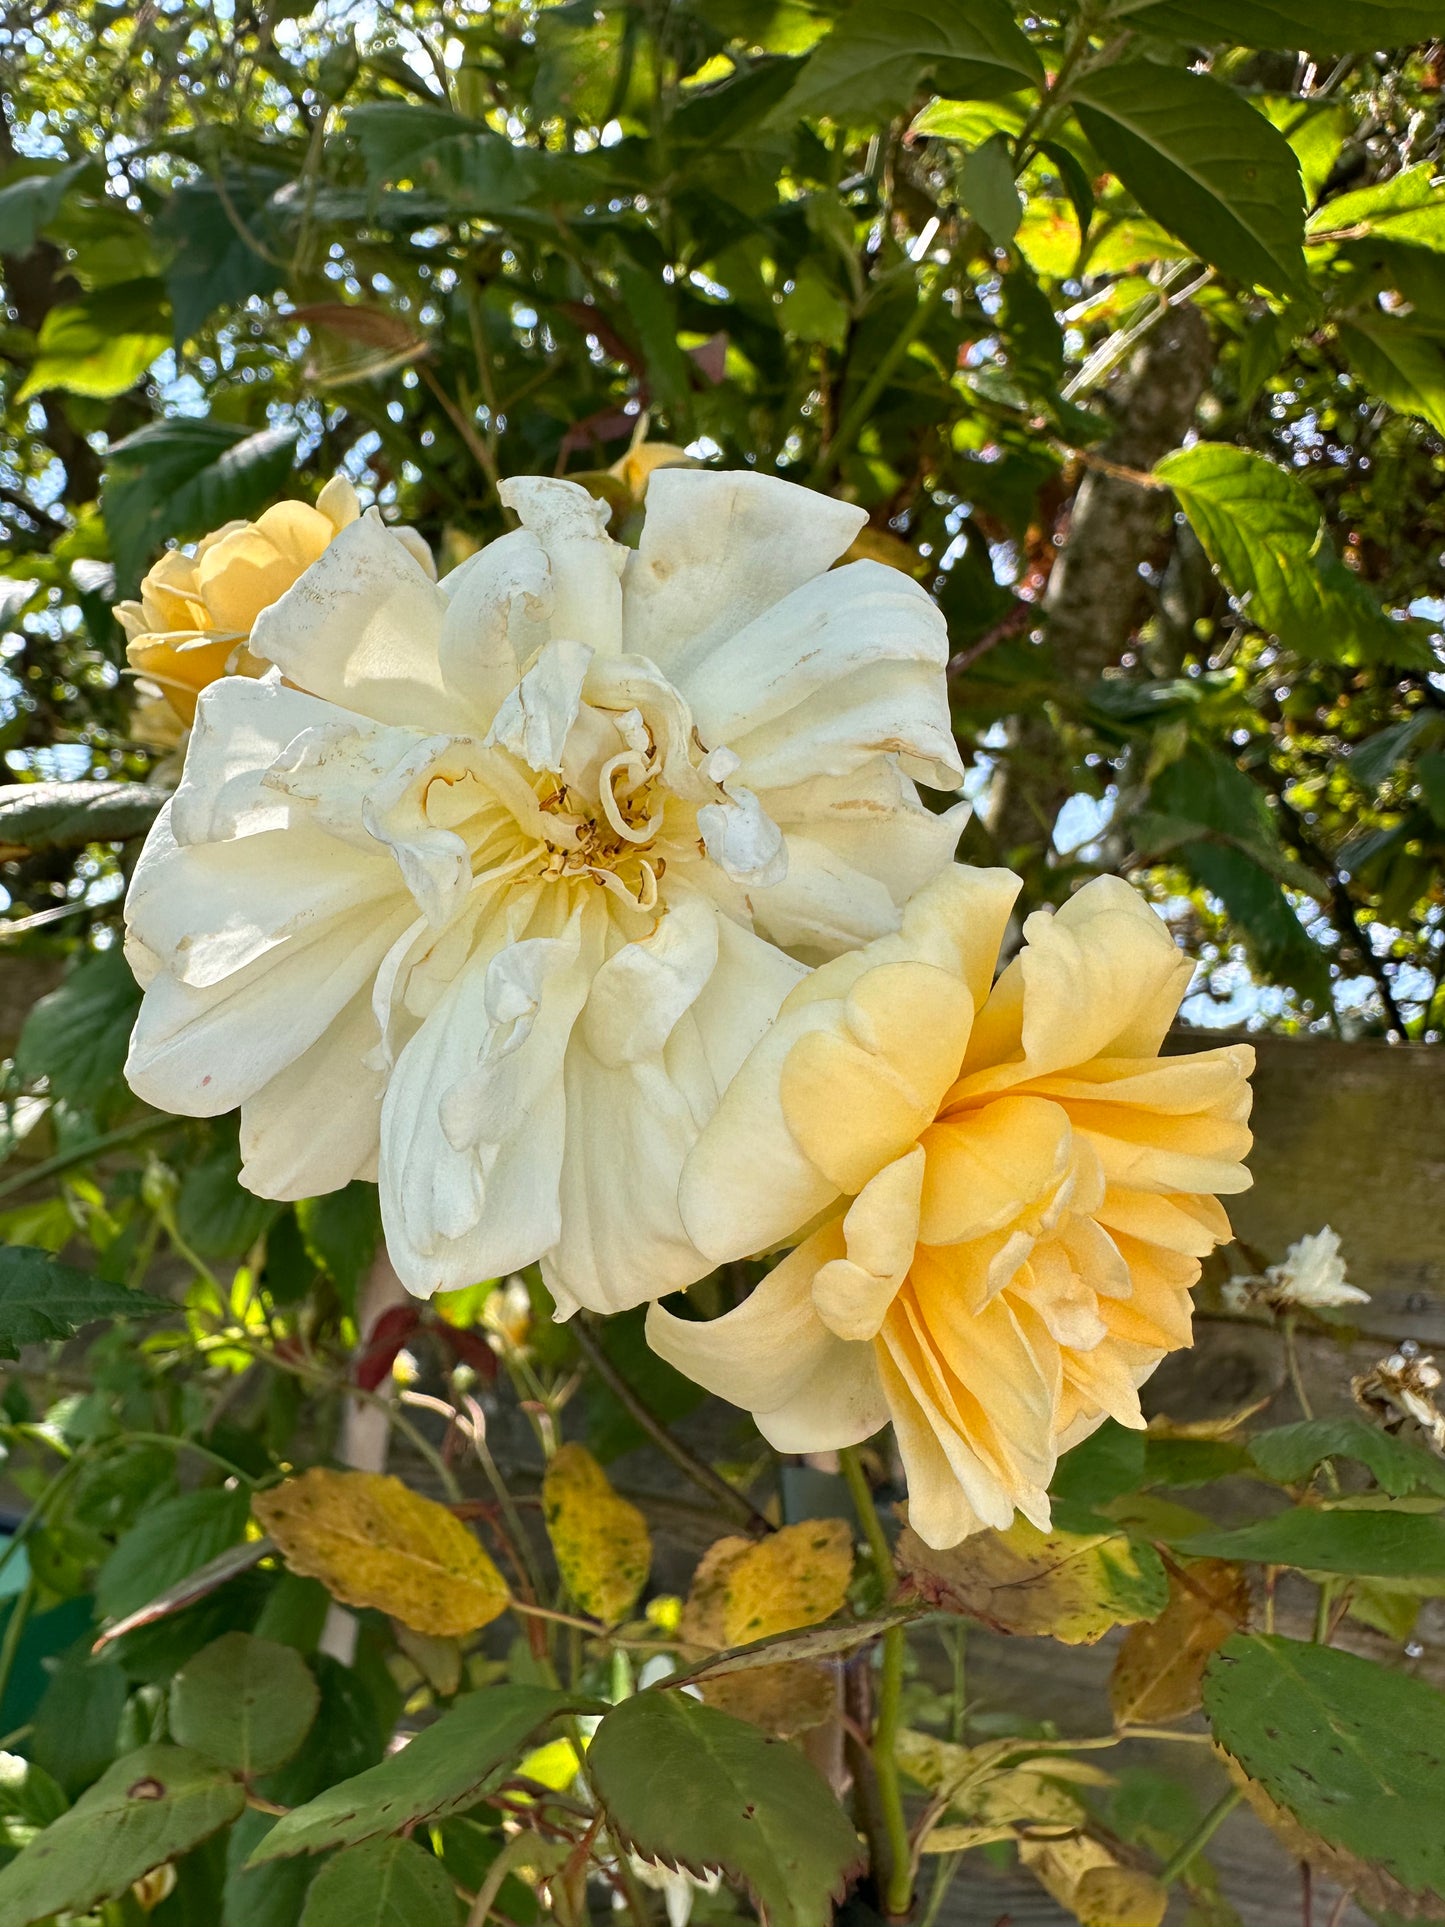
(586, 900)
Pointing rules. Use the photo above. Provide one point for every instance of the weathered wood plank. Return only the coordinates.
(1353, 1135)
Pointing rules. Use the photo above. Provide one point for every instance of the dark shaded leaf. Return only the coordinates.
(245, 1702)
(1290, 1453)
(77, 1037)
(1353, 1751)
(152, 1806)
(167, 1543)
(873, 62)
(42, 1299)
(63, 816)
(686, 1784)
(179, 479)
(1201, 161)
(439, 1772)
(384, 1883)
(1311, 26)
(1374, 1544)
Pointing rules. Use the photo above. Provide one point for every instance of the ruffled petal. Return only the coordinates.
(473, 1121)
(361, 627)
(667, 1021)
(716, 551)
(880, 1231)
(990, 1166)
(852, 657)
(808, 1390)
(200, 1051)
(885, 709)
(536, 718)
(317, 1125)
(865, 838)
(498, 610)
(584, 564)
(859, 1094)
(242, 726)
(747, 1184)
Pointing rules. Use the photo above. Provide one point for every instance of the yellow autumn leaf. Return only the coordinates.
(745, 1590)
(1159, 1666)
(796, 1577)
(371, 1541)
(1070, 1586)
(986, 1793)
(1082, 1875)
(601, 1542)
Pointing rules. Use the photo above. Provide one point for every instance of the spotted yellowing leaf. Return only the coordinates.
(601, 1542)
(1071, 1586)
(1161, 1663)
(744, 1591)
(794, 1578)
(372, 1541)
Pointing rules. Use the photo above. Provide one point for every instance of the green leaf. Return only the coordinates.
(1430, 775)
(1203, 163)
(27, 206)
(167, 1542)
(466, 167)
(64, 816)
(341, 1232)
(1309, 26)
(227, 245)
(386, 1883)
(1109, 1463)
(1374, 1544)
(1403, 368)
(439, 1772)
(77, 1723)
(813, 309)
(179, 479)
(686, 1784)
(1261, 528)
(152, 1806)
(217, 1216)
(1354, 1751)
(1186, 1462)
(78, 1035)
(1379, 756)
(42, 1299)
(245, 1702)
(102, 344)
(875, 59)
(1408, 207)
(28, 1793)
(270, 1896)
(990, 193)
(1290, 1453)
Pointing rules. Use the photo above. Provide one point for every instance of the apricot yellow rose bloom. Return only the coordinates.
(1007, 1193)
(196, 611)
(487, 888)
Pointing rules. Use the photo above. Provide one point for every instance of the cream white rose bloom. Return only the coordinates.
(490, 885)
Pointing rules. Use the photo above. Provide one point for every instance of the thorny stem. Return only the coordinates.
(701, 1474)
(893, 1867)
(1201, 1836)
